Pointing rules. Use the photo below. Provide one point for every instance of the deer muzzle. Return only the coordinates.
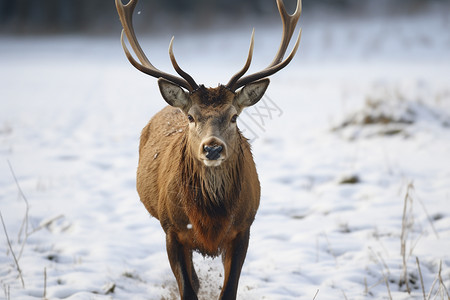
(212, 152)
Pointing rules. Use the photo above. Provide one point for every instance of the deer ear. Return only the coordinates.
(251, 93)
(174, 94)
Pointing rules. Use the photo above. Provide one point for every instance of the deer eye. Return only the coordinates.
(234, 118)
(191, 118)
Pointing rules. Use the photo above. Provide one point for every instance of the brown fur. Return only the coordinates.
(206, 209)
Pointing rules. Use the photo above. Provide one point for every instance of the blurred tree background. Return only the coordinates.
(99, 16)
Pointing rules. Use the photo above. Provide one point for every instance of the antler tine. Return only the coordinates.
(289, 23)
(152, 71)
(239, 74)
(126, 18)
(177, 68)
(270, 70)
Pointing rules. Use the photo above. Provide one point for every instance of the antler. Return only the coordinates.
(126, 16)
(289, 23)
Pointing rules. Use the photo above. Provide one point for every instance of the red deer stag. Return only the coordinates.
(196, 173)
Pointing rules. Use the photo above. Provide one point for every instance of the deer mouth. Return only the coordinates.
(213, 163)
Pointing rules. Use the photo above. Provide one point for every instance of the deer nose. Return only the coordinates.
(212, 152)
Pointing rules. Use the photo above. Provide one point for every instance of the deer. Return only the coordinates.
(196, 172)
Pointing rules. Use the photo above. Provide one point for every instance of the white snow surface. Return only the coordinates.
(71, 111)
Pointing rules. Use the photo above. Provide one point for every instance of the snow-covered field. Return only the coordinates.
(352, 147)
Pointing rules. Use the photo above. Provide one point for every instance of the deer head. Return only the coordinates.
(211, 112)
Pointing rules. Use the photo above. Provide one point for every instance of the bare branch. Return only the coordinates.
(441, 281)
(436, 279)
(45, 224)
(387, 286)
(6, 289)
(404, 234)
(430, 220)
(421, 278)
(24, 226)
(343, 294)
(315, 295)
(12, 251)
(44, 296)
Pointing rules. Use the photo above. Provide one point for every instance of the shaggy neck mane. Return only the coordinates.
(211, 190)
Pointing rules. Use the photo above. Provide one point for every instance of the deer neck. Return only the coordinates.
(211, 189)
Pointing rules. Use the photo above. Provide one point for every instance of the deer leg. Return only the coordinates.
(180, 260)
(192, 275)
(233, 259)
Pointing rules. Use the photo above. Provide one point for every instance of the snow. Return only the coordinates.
(72, 108)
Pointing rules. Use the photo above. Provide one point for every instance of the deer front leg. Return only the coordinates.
(180, 260)
(233, 259)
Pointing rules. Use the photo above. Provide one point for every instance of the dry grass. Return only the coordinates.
(22, 237)
(391, 110)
